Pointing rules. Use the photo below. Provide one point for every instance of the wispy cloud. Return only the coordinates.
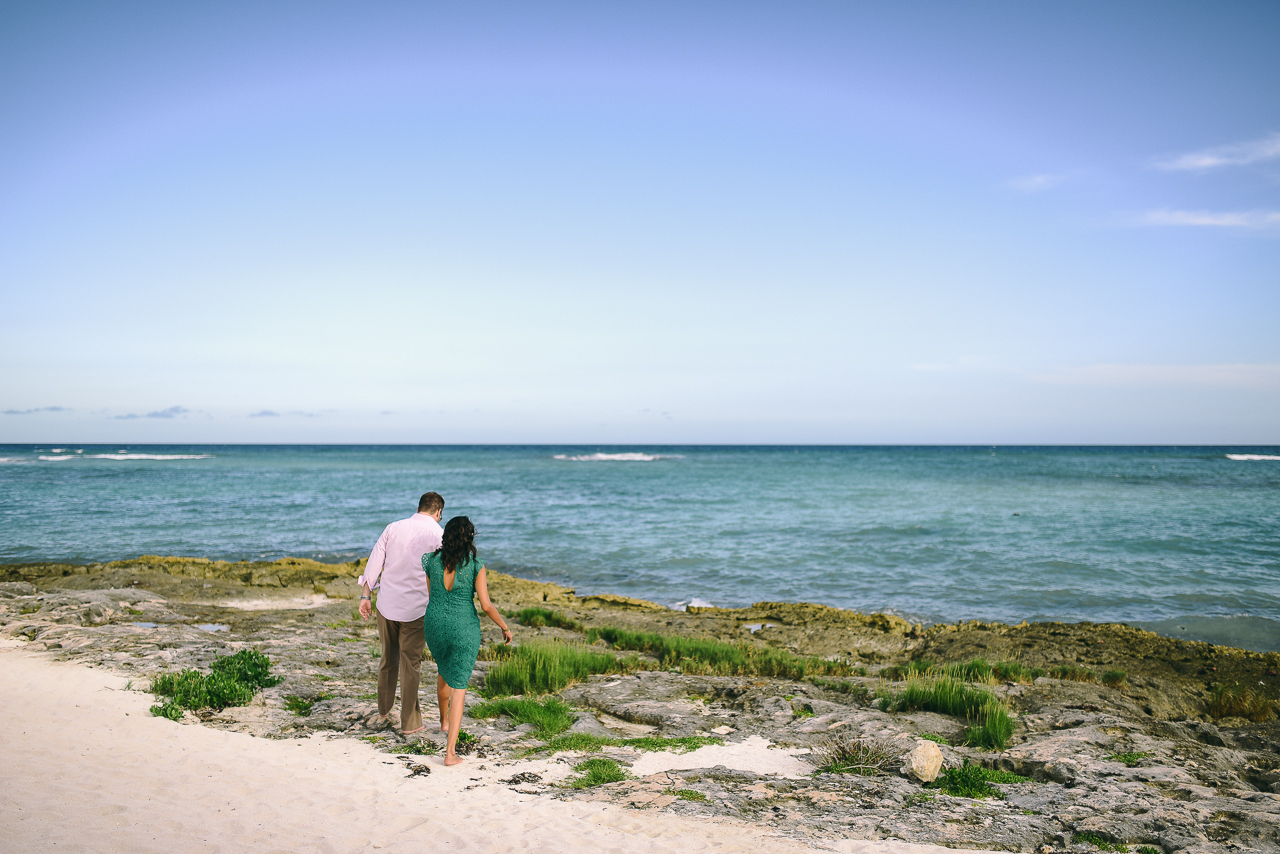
(1128, 375)
(266, 413)
(171, 412)
(1213, 219)
(1037, 183)
(34, 411)
(1239, 154)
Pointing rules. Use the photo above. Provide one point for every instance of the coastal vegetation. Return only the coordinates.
(971, 780)
(1237, 701)
(302, 706)
(710, 657)
(550, 717)
(419, 747)
(581, 742)
(1132, 760)
(547, 668)
(946, 695)
(596, 772)
(868, 757)
(233, 680)
(536, 618)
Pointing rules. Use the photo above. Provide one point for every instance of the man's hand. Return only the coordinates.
(366, 609)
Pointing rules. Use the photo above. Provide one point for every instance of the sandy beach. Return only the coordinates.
(88, 768)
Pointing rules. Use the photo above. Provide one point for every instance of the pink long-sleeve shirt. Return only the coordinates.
(395, 567)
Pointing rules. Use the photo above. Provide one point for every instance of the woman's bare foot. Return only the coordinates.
(444, 727)
(453, 760)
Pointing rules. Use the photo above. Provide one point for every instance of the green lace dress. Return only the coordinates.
(451, 624)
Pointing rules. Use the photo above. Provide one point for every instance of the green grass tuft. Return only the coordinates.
(1236, 701)
(974, 781)
(597, 772)
(687, 794)
(1098, 842)
(710, 657)
(1071, 673)
(552, 716)
(933, 736)
(900, 672)
(868, 757)
(1130, 759)
(547, 668)
(536, 618)
(1114, 678)
(302, 706)
(977, 670)
(946, 695)
(420, 747)
(581, 742)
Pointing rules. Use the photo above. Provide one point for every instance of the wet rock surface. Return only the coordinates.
(1143, 764)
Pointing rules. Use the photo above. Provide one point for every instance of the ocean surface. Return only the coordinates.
(1182, 540)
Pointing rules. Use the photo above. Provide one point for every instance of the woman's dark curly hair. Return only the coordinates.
(458, 544)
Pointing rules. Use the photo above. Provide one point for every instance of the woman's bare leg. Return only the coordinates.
(456, 698)
(442, 700)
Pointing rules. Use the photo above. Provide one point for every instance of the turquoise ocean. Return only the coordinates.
(1182, 540)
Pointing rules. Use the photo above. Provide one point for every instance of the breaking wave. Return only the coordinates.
(1252, 457)
(129, 457)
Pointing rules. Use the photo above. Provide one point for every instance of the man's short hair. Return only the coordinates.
(430, 502)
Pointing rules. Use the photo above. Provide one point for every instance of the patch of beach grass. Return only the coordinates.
(1098, 842)
(536, 618)
(551, 717)
(974, 781)
(581, 742)
(900, 672)
(302, 706)
(1237, 701)
(596, 772)
(710, 657)
(975, 670)
(1071, 673)
(687, 794)
(946, 695)
(858, 692)
(866, 756)
(934, 737)
(1114, 678)
(420, 747)
(547, 668)
(1129, 759)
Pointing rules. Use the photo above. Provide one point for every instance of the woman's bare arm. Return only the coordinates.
(482, 590)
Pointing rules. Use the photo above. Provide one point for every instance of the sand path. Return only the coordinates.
(85, 767)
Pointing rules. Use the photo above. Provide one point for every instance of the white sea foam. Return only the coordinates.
(631, 457)
(1252, 457)
(58, 450)
(695, 602)
(130, 457)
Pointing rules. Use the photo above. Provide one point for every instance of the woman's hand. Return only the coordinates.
(506, 635)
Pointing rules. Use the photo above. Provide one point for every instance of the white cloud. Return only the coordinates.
(1240, 154)
(1232, 376)
(1215, 219)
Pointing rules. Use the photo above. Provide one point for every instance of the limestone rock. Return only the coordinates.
(924, 763)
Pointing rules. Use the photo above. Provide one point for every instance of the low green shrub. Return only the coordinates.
(1130, 759)
(687, 794)
(1114, 678)
(710, 657)
(1071, 673)
(547, 668)
(1098, 842)
(233, 681)
(1236, 701)
(552, 716)
(974, 781)
(536, 618)
(581, 742)
(596, 772)
(301, 706)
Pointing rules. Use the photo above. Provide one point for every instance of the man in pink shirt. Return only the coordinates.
(395, 569)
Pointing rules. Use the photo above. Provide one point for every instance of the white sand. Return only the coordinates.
(85, 767)
(751, 754)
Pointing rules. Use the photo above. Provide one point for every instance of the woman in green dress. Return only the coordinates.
(454, 577)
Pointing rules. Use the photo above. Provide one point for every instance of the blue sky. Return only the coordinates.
(644, 223)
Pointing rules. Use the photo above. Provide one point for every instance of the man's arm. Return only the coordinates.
(372, 572)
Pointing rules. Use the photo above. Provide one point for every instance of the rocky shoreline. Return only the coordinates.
(1149, 761)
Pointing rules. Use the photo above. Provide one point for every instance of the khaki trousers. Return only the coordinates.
(402, 646)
